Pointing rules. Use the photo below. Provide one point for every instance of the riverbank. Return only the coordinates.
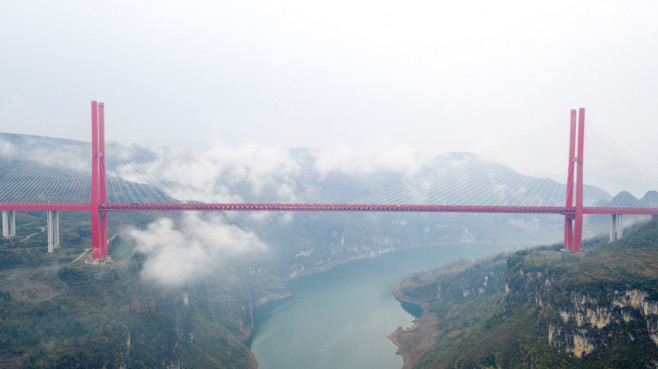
(414, 341)
(275, 296)
(352, 303)
(328, 265)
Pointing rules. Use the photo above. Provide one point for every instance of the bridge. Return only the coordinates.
(99, 206)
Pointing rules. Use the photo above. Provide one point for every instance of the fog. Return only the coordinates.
(183, 253)
(496, 79)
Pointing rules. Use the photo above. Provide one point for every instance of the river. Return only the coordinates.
(340, 318)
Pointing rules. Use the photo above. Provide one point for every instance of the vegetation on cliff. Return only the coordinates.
(545, 308)
(58, 312)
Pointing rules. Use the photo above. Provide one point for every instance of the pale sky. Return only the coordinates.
(496, 78)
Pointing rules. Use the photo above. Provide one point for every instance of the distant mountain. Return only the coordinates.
(41, 169)
(625, 199)
(264, 174)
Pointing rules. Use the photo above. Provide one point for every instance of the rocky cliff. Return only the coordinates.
(544, 307)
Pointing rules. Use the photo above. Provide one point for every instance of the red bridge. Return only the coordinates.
(100, 207)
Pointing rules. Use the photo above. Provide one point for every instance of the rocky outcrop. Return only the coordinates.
(590, 323)
(272, 296)
(415, 340)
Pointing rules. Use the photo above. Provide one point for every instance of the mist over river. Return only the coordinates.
(340, 318)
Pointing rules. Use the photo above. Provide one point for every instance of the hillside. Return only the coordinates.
(58, 312)
(542, 308)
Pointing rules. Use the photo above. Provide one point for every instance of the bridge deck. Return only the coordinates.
(402, 208)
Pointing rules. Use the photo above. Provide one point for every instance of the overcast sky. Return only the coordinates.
(496, 78)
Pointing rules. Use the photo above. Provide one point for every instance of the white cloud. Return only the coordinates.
(7, 149)
(181, 254)
(207, 175)
(370, 157)
(63, 155)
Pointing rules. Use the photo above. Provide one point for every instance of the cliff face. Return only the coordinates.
(603, 303)
(546, 308)
(589, 324)
(590, 319)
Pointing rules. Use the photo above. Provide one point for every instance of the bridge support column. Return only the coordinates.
(616, 227)
(8, 223)
(12, 223)
(53, 230)
(5, 224)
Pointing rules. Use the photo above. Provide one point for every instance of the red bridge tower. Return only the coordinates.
(98, 185)
(573, 233)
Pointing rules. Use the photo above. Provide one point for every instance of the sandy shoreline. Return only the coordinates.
(414, 341)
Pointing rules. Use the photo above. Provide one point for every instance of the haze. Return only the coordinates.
(493, 78)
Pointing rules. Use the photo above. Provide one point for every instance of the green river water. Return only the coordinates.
(339, 319)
